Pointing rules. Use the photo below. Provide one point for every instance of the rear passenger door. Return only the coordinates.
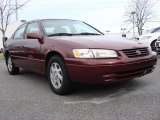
(14, 45)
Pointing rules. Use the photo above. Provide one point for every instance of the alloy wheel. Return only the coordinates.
(56, 75)
(10, 64)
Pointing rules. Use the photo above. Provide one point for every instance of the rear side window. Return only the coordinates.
(19, 34)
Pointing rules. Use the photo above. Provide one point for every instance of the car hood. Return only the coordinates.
(102, 42)
(150, 34)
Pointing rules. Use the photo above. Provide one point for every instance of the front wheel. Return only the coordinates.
(57, 75)
(11, 67)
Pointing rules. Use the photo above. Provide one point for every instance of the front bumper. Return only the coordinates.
(97, 74)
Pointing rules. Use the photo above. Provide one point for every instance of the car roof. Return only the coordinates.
(53, 19)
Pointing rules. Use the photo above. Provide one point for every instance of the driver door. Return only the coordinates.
(32, 49)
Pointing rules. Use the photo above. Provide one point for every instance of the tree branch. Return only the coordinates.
(6, 10)
(143, 9)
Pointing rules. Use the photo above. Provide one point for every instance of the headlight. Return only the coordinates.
(83, 53)
(94, 53)
(100, 53)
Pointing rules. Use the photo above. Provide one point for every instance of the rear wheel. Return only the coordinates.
(11, 67)
(57, 75)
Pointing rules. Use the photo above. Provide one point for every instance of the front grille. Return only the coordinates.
(138, 52)
(157, 44)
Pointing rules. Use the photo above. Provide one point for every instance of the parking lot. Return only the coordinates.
(28, 96)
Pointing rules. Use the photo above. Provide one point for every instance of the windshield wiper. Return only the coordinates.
(87, 33)
(60, 34)
(69, 34)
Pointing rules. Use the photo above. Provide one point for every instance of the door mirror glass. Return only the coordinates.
(32, 36)
(35, 36)
(33, 32)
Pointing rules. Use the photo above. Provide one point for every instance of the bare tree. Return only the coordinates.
(7, 8)
(139, 12)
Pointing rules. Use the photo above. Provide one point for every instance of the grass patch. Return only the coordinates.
(1, 56)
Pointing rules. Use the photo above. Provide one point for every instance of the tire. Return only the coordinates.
(153, 45)
(57, 75)
(11, 67)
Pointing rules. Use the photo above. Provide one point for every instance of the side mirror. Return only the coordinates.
(35, 36)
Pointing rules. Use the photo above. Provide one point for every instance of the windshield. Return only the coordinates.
(155, 30)
(68, 28)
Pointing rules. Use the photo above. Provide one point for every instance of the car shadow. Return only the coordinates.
(98, 94)
(81, 92)
(33, 78)
(127, 86)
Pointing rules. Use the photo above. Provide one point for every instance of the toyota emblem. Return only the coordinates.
(138, 52)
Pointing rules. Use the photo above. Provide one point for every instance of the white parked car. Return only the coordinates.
(150, 38)
(158, 45)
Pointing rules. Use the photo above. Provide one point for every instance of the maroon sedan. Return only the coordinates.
(69, 51)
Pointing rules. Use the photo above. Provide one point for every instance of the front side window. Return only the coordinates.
(19, 34)
(33, 28)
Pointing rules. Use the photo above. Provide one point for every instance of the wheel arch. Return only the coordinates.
(50, 55)
(154, 41)
(6, 54)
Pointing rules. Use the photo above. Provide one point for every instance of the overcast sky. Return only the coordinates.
(106, 15)
(103, 14)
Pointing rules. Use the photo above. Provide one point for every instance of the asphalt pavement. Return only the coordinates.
(27, 96)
